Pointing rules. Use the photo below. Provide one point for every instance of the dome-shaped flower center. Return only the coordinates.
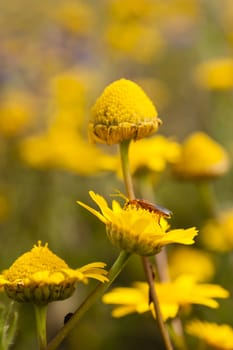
(123, 101)
(122, 112)
(38, 259)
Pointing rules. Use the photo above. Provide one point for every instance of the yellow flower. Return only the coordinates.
(217, 234)
(153, 154)
(215, 335)
(64, 149)
(201, 157)
(70, 91)
(133, 299)
(197, 263)
(172, 295)
(39, 276)
(122, 112)
(135, 229)
(215, 74)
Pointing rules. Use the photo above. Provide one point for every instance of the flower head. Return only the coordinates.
(197, 263)
(218, 336)
(127, 300)
(65, 149)
(215, 74)
(135, 229)
(153, 154)
(217, 234)
(185, 291)
(201, 157)
(40, 276)
(122, 112)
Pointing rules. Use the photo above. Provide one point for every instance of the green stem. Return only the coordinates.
(124, 150)
(90, 300)
(41, 316)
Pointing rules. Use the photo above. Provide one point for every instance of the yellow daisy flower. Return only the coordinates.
(39, 276)
(215, 335)
(217, 234)
(201, 157)
(135, 229)
(135, 299)
(197, 263)
(65, 149)
(185, 291)
(122, 112)
(153, 154)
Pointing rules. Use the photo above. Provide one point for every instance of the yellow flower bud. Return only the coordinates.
(122, 112)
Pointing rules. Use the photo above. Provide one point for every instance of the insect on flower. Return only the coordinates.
(68, 317)
(153, 208)
(143, 204)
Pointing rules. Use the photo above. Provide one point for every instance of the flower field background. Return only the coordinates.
(56, 59)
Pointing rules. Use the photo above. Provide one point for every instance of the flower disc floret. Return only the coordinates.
(137, 230)
(122, 112)
(40, 276)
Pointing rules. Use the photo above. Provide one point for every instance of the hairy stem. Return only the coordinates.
(124, 148)
(154, 299)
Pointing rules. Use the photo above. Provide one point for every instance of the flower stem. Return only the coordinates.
(154, 298)
(41, 316)
(90, 300)
(176, 329)
(124, 148)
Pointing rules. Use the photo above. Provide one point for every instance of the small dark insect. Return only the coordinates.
(153, 208)
(68, 317)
